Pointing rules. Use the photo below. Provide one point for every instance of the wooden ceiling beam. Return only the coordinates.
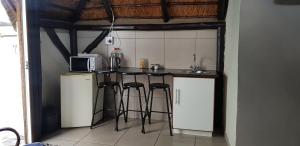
(61, 7)
(58, 44)
(78, 11)
(96, 42)
(222, 9)
(108, 9)
(73, 42)
(183, 26)
(49, 23)
(164, 8)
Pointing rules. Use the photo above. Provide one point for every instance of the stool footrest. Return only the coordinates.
(160, 112)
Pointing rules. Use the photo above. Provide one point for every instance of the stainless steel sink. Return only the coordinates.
(195, 72)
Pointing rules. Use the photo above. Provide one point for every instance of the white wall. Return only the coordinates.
(53, 64)
(172, 49)
(231, 69)
(269, 68)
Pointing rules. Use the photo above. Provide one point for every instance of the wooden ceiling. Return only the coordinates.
(85, 10)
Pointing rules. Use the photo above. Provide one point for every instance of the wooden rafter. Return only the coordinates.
(61, 7)
(73, 42)
(57, 42)
(188, 26)
(78, 11)
(164, 8)
(222, 9)
(48, 23)
(96, 42)
(108, 9)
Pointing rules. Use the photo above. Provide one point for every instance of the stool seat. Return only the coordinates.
(133, 85)
(108, 83)
(158, 86)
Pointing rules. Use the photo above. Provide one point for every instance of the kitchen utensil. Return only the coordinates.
(143, 63)
(155, 66)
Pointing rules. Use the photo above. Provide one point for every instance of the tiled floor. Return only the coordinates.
(157, 134)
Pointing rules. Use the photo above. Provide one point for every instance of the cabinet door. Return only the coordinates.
(76, 100)
(193, 103)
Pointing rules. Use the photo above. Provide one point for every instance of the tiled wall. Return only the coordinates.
(172, 49)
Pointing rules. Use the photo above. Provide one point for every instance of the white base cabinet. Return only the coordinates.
(78, 92)
(193, 103)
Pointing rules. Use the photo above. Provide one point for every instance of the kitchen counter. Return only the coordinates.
(173, 72)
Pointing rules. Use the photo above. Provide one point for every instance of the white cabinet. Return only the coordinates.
(193, 103)
(78, 92)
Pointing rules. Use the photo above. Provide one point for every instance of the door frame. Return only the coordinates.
(31, 72)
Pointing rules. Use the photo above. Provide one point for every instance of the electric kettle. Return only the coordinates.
(115, 58)
(115, 62)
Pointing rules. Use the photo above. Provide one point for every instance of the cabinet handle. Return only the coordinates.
(178, 102)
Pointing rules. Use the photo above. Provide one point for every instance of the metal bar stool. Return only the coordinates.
(137, 86)
(166, 88)
(114, 86)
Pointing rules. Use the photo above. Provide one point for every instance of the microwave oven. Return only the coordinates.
(85, 63)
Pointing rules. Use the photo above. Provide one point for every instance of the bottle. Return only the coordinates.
(117, 53)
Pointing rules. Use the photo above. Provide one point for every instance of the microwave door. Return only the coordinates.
(79, 64)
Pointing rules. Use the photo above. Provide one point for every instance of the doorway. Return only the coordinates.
(11, 108)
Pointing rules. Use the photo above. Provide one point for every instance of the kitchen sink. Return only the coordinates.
(196, 72)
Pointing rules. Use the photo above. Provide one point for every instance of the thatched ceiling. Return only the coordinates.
(100, 10)
(137, 9)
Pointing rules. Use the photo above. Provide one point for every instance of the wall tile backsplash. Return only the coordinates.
(171, 49)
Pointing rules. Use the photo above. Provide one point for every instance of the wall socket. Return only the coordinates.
(109, 40)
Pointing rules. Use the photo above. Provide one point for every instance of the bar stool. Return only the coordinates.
(137, 86)
(166, 88)
(114, 86)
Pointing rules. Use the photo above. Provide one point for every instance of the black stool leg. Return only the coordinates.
(147, 101)
(150, 112)
(94, 108)
(126, 117)
(116, 110)
(141, 110)
(170, 98)
(169, 117)
(121, 102)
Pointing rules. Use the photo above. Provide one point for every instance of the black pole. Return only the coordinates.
(34, 66)
(219, 83)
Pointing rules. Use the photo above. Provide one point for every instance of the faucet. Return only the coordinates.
(195, 67)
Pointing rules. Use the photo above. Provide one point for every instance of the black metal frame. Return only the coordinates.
(135, 85)
(167, 90)
(117, 111)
